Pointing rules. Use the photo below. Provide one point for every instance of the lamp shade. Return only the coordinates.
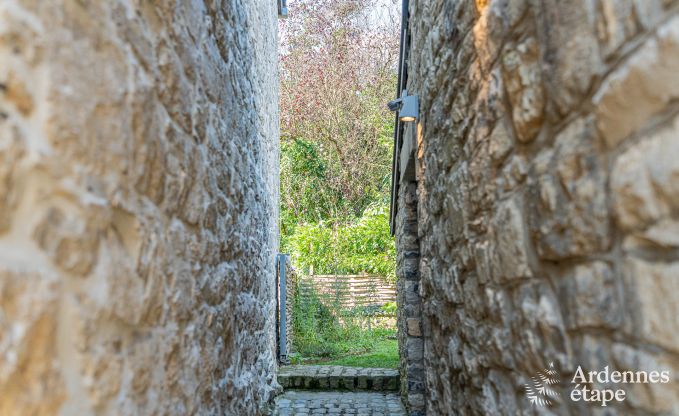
(409, 109)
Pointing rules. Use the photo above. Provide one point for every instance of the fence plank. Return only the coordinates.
(347, 291)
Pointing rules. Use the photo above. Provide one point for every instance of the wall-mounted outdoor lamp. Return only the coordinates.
(282, 8)
(407, 107)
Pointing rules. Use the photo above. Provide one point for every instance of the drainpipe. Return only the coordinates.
(398, 126)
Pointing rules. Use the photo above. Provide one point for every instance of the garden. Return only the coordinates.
(337, 71)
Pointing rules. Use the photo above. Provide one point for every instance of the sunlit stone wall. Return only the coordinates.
(548, 199)
(138, 206)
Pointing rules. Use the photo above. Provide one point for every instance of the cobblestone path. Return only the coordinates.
(297, 402)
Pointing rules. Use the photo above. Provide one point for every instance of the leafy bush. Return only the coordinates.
(389, 308)
(337, 71)
(363, 244)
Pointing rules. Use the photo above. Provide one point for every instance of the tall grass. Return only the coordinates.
(323, 330)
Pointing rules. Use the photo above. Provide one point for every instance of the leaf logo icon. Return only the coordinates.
(541, 392)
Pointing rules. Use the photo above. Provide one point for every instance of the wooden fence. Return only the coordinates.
(348, 291)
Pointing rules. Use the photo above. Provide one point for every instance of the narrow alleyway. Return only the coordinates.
(337, 390)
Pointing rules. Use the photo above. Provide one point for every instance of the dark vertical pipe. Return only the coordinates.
(398, 127)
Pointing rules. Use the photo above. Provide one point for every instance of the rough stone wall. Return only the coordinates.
(138, 188)
(548, 199)
(410, 342)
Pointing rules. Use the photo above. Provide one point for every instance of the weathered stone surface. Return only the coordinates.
(569, 208)
(408, 297)
(500, 143)
(546, 212)
(570, 55)
(522, 76)
(645, 179)
(511, 242)
(617, 25)
(641, 87)
(12, 150)
(591, 295)
(656, 397)
(654, 315)
(28, 335)
(414, 325)
(138, 205)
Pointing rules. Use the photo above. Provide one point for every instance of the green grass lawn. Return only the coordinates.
(324, 336)
(384, 354)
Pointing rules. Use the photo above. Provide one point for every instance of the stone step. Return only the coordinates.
(334, 377)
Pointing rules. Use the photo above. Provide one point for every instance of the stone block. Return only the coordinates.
(391, 383)
(362, 382)
(334, 381)
(12, 151)
(641, 87)
(617, 25)
(511, 258)
(70, 240)
(412, 296)
(349, 382)
(653, 311)
(31, 379)
(663, 234)
(644, 181)
(501, 143)
(522, 78)
(323, 383)
(415, 402)
(568, 205)
(414, 327)
(569, 50)
(591, 296)
(415, 347)
(648, 396)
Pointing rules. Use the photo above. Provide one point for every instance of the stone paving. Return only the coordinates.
(296, 402)
(333, 377)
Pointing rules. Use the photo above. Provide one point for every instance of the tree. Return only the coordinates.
(338, 60)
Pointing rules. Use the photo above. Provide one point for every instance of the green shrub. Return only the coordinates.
(389, 308)
(359, 245)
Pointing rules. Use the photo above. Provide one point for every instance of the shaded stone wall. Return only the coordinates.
(410, 342)
(138, 206)
(547, 198)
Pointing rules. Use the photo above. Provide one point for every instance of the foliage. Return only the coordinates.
(363, 244)
(389, 308)
(320, 333)
(337, 71)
